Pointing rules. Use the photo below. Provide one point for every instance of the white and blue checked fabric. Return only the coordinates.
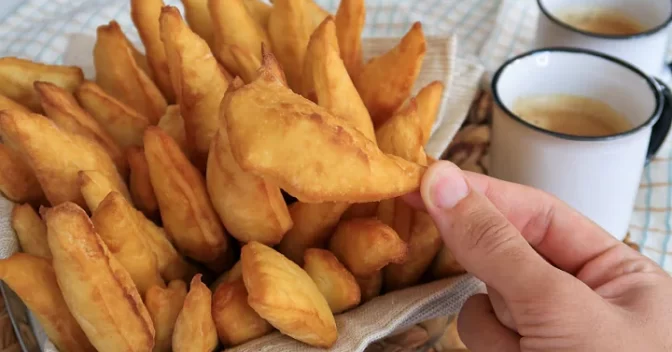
(492, 30)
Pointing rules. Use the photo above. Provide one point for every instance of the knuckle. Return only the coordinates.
(488, 233)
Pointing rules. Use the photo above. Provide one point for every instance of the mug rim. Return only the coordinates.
(655, 89)
(567, 26)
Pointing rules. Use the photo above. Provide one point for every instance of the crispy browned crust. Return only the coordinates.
(17, 179)
(194, 328)
(336, 283)
(235, 320)
(164, 304)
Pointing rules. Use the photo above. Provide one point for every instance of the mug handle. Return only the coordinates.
(661, 128)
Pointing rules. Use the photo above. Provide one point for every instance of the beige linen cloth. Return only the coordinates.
(386, 314)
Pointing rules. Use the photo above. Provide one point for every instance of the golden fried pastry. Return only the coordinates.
(194, 328)
(116, 223)
(17, 180)
(284, 295)
(361, 210)
(330, 82)
(246, 63)
(270, 64)
(7, 103)
(290, 25)
(371, 285)
(366, 246)
(199, 83)
(30, 230)
(96, 288)
(234, 26)
(429, 102)
(233, 274)
(386, 81)
(120, 76)
(313, 224)
(17, 77)
(259, 10)
(350, 18)
(140, 184)
(445, 265)
(308, 152)
(250, 208)
(402, 135)
(424, 242)
(163, 305)
(62, 108)
(56, 155)
(95, 187)
(173, 124)
(145, 15)
(235, 320)
(186, 210)
(200, 20)
(123, 123)
(171, 264)
(335, 282)
(34, 281)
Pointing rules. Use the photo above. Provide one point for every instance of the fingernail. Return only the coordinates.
(447, 186)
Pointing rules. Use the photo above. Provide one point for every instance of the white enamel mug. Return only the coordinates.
(646, 50)
(598, 176)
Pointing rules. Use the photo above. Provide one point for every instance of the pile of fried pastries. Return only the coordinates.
(241, 176)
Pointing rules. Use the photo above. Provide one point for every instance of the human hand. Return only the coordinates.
(556, 281)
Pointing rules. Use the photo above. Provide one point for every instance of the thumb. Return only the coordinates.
(482, 240)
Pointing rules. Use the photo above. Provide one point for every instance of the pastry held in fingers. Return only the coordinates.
(34, 281)
(194, 328)
(116, 223)
(335, 282)
(235, 320)
(56, 155)
(96, 288)
(367, 245)
(284, 295)
(305, 150)
(186, 210)
(31, 231)
(164, 304)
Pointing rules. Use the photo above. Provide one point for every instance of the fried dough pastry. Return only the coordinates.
(402, 135)
(445, 265)
(34, 281)
(95, 187)
(56, 155)
(173, 124)
(370, 286)
(194, 328)
(17, 179)
(163, 305)
(116, 222)
(123, 123)
(350, 18)
(284, 295)
(140, 184)
(62, 108)
(385, 82)
(186, 210)
(120, 76)
(361, 210)
(259, 10)
(17, 77)
(7, 103)
(246, 63)
(308, 152)
(429, 102)
(233, 274)
(234, 26)
(96, 288)
(198, 82)
(250, 208)
(31, 231)
(290, 25)
(313, 224)
(145, 15)
(270, 65)
(171, 264)
(200, 21)
(235, 320)
(336, 283)
(366, 246)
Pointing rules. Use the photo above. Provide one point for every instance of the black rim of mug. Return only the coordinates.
(645, 33)
(655, 89)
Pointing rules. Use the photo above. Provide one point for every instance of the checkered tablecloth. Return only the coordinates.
(491, 30)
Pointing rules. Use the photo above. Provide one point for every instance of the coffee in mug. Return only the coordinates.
(601, 20)
(571, 114)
